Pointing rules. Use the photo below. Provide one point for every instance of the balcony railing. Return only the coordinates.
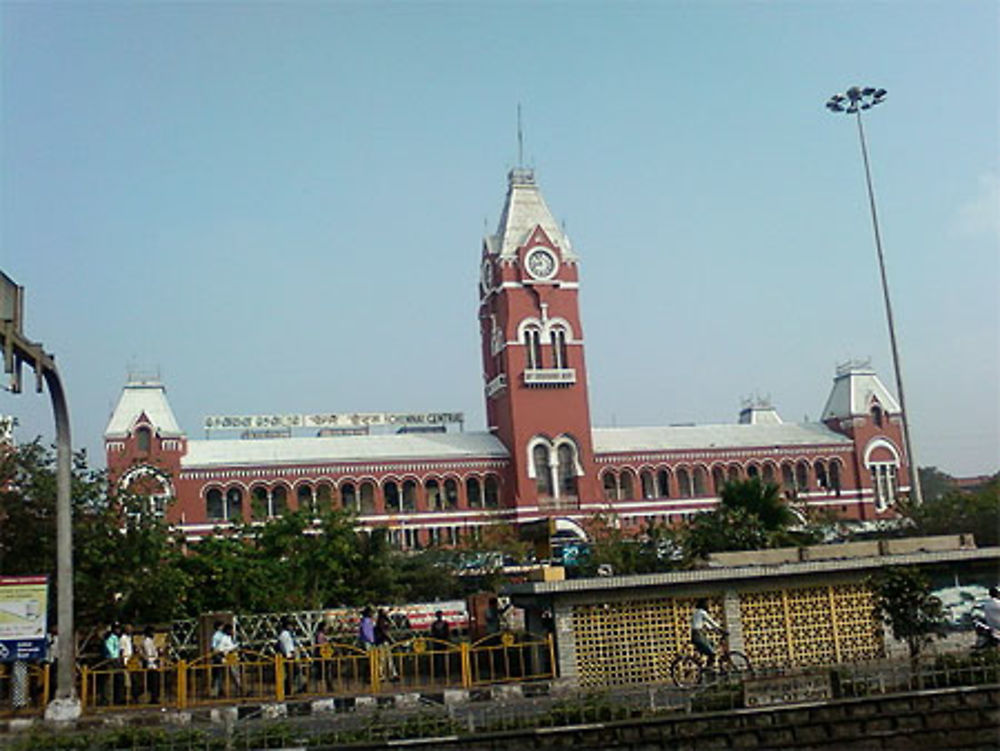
(549, 376)
(495, 386)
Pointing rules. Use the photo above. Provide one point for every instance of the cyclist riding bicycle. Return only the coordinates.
(701, 622)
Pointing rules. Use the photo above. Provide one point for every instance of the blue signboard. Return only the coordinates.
(12, 650)
(23, 607)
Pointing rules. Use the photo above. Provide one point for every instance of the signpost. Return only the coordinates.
(23, 609)
(18, 350)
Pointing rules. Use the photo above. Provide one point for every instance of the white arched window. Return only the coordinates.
(533, 346)
(543, 469)
(884, 484)
(882, 461)
(560, 358)
(567, 470)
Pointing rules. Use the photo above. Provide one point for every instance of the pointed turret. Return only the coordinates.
(525, 210)
(856, 392)
(143, 443)
(143, 400)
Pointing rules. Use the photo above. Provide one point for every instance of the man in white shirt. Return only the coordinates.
(150, 654)
(217, 637)
(701, 623)
(226, 649)
(126, 650)
(289, 650)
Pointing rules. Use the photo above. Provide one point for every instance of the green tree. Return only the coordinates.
(751, 515)
(125, 560)
(934, 483)
(426, 576)
(760, 499)
(903, 601)
(650, 550)
(130, 565)
(957, 511)
(224, 576)
(126, 565)
(27, 510)
(722, 529)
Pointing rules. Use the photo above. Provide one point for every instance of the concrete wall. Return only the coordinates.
(946, 719)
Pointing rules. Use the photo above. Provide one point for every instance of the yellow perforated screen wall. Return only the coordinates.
(633, 641)
(810, 626)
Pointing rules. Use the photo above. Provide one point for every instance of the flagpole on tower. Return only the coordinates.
(520, 139)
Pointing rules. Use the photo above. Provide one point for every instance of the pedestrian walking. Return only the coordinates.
(288, 648)
(113, 682)
(150, 656)
(126, 650)
(383, 640)
(440, 631)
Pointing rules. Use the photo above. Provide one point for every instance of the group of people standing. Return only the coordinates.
(135, 671)
(133, 665)
(376, 632)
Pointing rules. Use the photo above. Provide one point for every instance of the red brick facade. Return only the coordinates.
(540, 455)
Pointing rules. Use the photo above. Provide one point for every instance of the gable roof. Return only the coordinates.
(334, 449)
(854, 388)
(524, 209)
(140, 397)
(692, 437)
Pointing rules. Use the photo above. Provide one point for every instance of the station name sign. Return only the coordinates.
(330, 420)
(23, 609)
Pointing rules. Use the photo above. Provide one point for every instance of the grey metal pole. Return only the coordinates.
(918, 496)
(853, 102)
(65, 686)
(17, 350)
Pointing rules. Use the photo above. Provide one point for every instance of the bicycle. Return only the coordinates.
(688, 670)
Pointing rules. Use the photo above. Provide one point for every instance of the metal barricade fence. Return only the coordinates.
(25, 688)
(425, 663)
(509, 657)
(330, 669)
(239, 675)
(109, 684)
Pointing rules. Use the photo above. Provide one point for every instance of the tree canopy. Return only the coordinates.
(904, 602)
(130, 565)
(954, 511)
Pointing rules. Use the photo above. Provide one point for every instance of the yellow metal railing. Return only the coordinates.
(331, 669)
(108, 684)
(25, 688)
(509, 657)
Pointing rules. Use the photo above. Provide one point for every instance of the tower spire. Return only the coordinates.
(520, 139)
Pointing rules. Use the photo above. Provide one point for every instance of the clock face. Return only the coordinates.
(541, 263)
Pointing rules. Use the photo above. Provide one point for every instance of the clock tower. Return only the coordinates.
(533, 356)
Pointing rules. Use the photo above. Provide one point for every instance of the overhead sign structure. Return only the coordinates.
(330, 420)
(23, 607)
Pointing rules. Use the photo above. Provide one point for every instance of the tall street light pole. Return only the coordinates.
(852, 102)
(17, 350)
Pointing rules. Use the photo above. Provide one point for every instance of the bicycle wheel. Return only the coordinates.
(686, 671)
(735, 665)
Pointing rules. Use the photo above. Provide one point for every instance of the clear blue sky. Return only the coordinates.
(280, 206)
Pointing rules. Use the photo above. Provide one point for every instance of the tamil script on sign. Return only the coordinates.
(328, 420)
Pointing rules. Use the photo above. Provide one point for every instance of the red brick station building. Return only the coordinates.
(539, 456)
